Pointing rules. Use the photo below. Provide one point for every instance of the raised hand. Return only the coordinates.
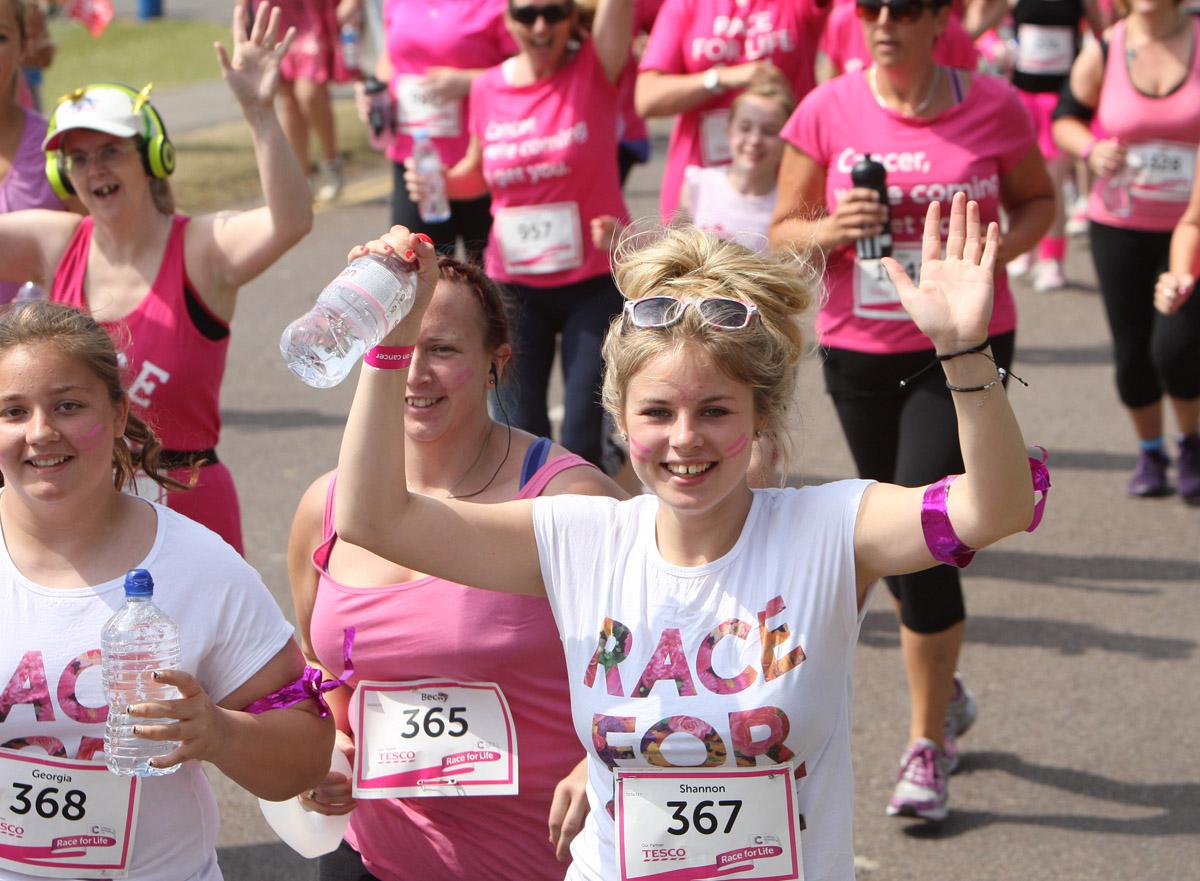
(253, 72)
(953, 303)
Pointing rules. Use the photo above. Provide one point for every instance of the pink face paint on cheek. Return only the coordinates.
(738, 445)
(639, 451)
(91, 438)
(459, 378)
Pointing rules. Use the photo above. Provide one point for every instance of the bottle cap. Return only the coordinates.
(419, 134)
(138, 583)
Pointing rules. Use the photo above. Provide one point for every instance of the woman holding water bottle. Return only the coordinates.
(69, 442)
(933, 131)
(165, 285)
(423, 70)
(1141, 89)
(538, 124)
(412, 627)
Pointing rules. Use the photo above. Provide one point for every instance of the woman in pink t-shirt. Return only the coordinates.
(1142, 85)
(936, 131)
(702, 53)
(435, 50)
(412, 627)
(847, 50)
(543, 129)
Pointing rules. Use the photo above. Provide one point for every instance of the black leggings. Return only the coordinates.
(1153, 352)
(470, 220)
(344, 864)
(909, 437)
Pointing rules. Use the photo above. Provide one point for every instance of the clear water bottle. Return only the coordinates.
(349, 38)
(1114, 190)
(354, 312)
(139, 639)
(434, 207)
(29, 292)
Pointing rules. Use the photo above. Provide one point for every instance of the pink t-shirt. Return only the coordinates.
(25, 185)
(549, 157)
(694, 35)
(1161, 134)
(969, 147)
(439, 33)
(718, 208)
(431, 628)
(845, 44)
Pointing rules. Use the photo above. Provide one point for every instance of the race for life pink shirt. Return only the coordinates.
(693, 35)
(549, 158)
(845, 43)
(1161, 135)
(421, 34)
(968, 148)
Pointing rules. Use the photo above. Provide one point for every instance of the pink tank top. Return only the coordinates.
(171, 370)
(1161, 134)
(436, 628)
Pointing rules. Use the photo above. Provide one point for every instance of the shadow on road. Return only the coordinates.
(265, 420)
(1073, 355)
(1176, 806)
(1074, 571)
(265, 862)
(1065, 637)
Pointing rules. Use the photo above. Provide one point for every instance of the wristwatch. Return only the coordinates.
(712, 80)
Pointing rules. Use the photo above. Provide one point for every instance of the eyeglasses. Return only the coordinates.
(905, 11)
(106, 156)
(528, 15)
(725, 313)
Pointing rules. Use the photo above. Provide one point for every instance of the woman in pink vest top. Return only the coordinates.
(411, 627)
(164, 284)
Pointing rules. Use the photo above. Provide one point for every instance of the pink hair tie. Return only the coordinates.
(308, 687)
(389, 357)
(943, 542)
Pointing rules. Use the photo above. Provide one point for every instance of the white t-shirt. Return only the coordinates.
(647, 642)
(718, 208)
(50, 687)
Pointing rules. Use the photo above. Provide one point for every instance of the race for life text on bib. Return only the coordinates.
(874, 294)
(540, 239)
(1162, 171)
(65, 818)
(433, 737)
(686, 824)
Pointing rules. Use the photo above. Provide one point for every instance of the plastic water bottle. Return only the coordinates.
(1114, 190)
(348, 38)
(434, 207)
(381, 115)
(136, 641)
(354, 312)
(29, 292)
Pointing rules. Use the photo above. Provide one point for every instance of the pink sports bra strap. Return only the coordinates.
(537, 484)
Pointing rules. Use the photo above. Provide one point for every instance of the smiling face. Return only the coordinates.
(542, 41)
(690, 429)
(448, 379)
(105, 170)
(754, 131)
(893, 41)
(57, 426)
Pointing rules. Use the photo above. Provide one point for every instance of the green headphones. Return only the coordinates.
(158, 153)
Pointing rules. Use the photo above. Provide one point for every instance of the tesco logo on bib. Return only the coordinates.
(663, 854)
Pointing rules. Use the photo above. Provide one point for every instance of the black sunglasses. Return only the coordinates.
(904, 11)
(528, 15)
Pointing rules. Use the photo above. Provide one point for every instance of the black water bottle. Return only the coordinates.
(871, 175)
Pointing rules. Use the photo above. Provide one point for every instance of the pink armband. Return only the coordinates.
(389, 357)
(941, 539)
(308, 687)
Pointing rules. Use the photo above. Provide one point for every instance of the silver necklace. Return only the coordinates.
(920, 108)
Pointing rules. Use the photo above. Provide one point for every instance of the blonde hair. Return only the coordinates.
(78, 336)
(684, 262)
(772, 88)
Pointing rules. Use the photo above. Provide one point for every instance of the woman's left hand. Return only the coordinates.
(568, 810)
(201, 725)
(953, 303)
(253, 72)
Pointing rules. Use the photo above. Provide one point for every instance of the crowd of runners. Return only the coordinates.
(635, 640)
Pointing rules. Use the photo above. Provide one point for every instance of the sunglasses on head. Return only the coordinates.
(528, 15)
(725, 313)
(903, 11)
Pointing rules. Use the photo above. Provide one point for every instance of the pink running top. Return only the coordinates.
(693, 35)
(439, 33)
(1161, 134)
(25, 185)
(430, 627)
(171, 370)
(968, 147)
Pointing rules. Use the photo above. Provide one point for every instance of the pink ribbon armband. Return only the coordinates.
(941, 539)
(308, 687)
(389, 357)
